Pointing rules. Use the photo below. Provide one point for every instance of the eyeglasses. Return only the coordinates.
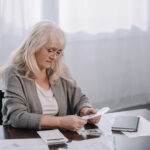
(53, 52)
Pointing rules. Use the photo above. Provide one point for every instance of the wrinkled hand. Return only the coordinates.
(87, 111)
(72, 123)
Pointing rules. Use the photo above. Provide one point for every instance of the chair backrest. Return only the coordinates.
(1, 97)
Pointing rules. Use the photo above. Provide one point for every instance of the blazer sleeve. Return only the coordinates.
(77, 99)
(15, 105)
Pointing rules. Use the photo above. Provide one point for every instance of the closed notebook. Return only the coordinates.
(126, 123)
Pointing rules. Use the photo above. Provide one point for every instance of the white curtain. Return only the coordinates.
(108, 50)
(102, 15)
(16, 19)
(107, 47)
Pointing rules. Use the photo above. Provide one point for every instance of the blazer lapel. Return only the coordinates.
(60, 98)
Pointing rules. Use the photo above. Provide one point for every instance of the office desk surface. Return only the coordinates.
(122, 141)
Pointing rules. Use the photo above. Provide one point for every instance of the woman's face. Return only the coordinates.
(48, 55)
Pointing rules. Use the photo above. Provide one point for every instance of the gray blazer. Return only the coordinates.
(22, 107)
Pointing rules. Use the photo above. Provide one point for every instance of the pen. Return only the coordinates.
(55, 139)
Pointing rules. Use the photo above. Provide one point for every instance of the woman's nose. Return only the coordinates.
(53, 56)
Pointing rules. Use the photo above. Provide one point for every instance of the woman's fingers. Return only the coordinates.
(82, 121)
(74, 123)
(94, 120)
(91, 111)
(87, 111)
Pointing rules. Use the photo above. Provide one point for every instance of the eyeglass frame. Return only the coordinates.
(51, 52)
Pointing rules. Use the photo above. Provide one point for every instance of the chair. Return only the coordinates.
(1, 97)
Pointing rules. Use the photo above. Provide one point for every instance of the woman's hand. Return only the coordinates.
(72, 123)
(87, 111)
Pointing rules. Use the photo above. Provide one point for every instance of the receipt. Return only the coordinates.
(99, 113)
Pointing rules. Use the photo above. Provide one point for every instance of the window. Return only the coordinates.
(96, 16)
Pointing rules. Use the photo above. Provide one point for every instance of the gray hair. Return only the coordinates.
(23, 59)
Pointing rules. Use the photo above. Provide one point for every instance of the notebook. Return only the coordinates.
(126, 123)
(52, 137)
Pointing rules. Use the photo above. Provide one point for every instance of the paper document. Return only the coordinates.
(99, 113)
(52, 137)
(23, 144)
(143, 129)
(102, 143)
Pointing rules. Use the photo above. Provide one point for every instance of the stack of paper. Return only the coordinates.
(52, 137)
(23, 144)
(102, 143)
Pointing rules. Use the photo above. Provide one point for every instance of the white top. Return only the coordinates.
(48, 101)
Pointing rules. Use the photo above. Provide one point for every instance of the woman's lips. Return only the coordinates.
(49, 61)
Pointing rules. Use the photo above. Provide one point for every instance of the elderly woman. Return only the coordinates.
(39, 92)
